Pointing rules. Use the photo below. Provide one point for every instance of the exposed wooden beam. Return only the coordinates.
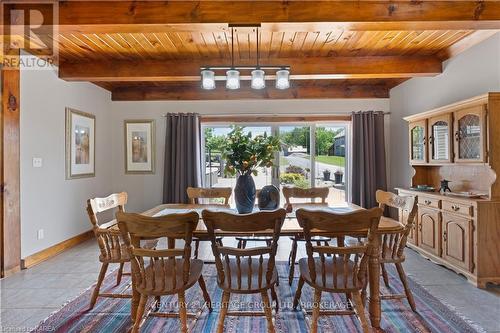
(299, 90)
(465, 44)
(10, 226)
(353, 15)
(301, 68)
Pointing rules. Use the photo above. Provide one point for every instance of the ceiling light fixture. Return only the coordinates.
(232, 77)
(207, 79)
(283, 79)
(258, 75)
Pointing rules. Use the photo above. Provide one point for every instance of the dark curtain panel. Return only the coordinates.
(182, 156)
(368, 157)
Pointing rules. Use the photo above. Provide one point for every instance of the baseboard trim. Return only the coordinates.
(54, 250)
(13, 270)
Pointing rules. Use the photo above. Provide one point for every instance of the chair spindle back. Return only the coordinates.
(353, 260)
(306, 193)
(197, 193)
(255, 222)
(108, 239)
(136, 227)
(393, 244)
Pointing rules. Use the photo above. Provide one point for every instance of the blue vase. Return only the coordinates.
(244, 194)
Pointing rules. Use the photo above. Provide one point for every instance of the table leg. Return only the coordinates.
(374, 279)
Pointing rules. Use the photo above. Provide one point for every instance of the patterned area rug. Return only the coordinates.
(112, 315)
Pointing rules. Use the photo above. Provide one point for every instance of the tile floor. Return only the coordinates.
(31, 295)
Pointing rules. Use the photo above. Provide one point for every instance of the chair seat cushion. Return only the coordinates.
(247, 276)
(167, 276)
(330, 275)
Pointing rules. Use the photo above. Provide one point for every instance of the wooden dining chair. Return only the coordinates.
(196, 196)
(312, 194)
(345, 271)
(243, 240)
(162, 272)
(109, 240)
(393, 244)
(245, 271)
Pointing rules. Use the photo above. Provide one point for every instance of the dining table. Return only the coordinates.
(290, 227)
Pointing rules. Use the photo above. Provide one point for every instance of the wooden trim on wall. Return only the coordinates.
(273, 119)
(54, 250)
(10, 224)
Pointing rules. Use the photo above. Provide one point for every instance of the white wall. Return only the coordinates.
(471, 73)
(48, 200)
(145, 191)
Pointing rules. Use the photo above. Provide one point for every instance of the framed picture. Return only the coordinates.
(80, 144)
(139, 146)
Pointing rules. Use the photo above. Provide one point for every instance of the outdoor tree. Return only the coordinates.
(213, 143)
(325, 138)
(299, 136)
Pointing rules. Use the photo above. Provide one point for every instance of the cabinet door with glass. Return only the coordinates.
(440, 139)
(470, 135)
(418, 142)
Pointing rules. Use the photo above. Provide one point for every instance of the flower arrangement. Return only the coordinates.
(244, 154)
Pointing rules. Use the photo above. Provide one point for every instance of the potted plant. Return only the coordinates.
(244, 155)
(326, 175)
(338, 176)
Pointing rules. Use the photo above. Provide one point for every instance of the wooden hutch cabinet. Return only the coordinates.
(461, 143)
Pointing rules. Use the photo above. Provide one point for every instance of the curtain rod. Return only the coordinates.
(273, 115)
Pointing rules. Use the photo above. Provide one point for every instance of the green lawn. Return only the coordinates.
(332, 160)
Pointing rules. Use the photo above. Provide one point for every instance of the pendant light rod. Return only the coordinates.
(257, 32)
(232, 47)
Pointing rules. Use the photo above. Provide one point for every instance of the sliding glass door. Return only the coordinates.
(312, 155)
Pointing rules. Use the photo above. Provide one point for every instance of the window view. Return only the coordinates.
(311, 155)
(295, 160)
(330, 161)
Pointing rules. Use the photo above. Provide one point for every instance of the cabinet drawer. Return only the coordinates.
(458, 208)
(428, 202)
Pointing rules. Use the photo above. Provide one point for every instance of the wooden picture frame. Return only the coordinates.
(80, 144)
(140, 146)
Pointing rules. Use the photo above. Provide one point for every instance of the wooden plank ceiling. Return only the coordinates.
(154, 50)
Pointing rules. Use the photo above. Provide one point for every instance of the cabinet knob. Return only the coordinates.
(445, 237)
(427, 202)
(455, 208)
(457, 135)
